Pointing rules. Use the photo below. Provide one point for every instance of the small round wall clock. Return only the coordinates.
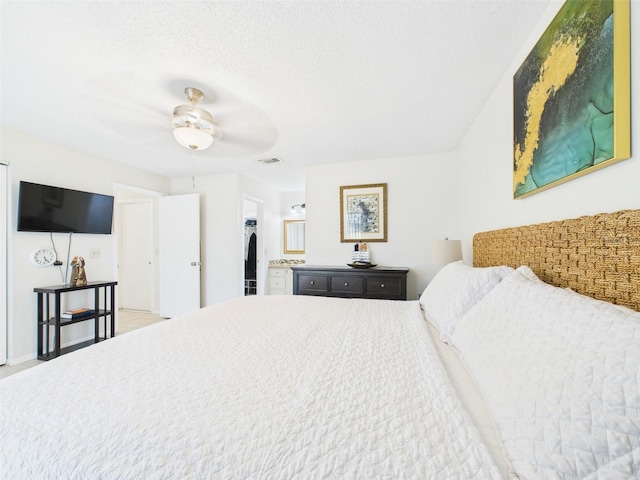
(43, 257)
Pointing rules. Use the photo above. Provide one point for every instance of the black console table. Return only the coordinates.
(50, 319)
(385, 283)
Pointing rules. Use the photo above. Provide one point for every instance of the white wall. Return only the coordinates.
(36, 160)
(222, 231)
(484, 164)
(465, 191)
(421, 197)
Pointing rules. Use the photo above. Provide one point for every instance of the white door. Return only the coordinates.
(179, 242)
(4, 222)
(136, 255)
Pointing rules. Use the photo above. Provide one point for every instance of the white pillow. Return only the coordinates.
(454, 290)
(560, 373)
(528, 273)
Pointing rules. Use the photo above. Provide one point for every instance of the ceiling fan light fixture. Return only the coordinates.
(193, 127)
(192, 137)
(190, 115)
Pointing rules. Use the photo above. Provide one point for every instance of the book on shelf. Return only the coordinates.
(78, 312)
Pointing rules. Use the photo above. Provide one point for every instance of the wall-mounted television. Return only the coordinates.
(44, 208)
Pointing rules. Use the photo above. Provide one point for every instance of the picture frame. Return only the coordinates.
(571, 97)
(363, 213)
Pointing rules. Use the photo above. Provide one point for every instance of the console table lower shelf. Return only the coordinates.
(50, 321)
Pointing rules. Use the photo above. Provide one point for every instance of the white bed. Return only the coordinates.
(259, 387)
(492, 374)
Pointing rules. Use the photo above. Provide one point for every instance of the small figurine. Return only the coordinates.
(79, 277)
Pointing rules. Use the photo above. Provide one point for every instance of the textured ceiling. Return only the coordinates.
(307, 82)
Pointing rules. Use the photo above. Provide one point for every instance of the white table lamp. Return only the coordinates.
(447, 251)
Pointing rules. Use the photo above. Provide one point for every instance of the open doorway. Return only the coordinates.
(252, 245)
(250, 218)
(137, 269)
(136, 260)
(250, 256)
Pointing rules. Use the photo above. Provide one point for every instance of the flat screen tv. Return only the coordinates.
(44, 208)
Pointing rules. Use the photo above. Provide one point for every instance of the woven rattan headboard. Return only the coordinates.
(598, 255)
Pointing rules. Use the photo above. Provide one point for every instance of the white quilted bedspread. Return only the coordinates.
(560, 373)
(256, 388)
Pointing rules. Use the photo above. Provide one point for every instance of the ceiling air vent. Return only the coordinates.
(268, 161)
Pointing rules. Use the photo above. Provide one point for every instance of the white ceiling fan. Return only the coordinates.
(126, 102)
(194, 127)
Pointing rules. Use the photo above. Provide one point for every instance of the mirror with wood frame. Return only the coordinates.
(294, 236)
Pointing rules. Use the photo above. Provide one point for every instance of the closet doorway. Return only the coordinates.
(250, 256)
(252, 245)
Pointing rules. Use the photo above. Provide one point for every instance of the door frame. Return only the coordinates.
(260, 267)
(123, 193)
(121, 243)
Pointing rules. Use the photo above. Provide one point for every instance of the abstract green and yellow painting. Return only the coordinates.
(571, 99)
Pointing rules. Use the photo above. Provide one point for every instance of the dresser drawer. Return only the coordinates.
(385, 286)
(347, 284)
(277, 283)
(278, 272)
(388, 283)
(310, 283)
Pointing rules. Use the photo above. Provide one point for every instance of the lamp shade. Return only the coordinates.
(447, 251)
(192, 137)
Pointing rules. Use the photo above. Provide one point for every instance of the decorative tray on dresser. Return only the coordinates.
(384, 283)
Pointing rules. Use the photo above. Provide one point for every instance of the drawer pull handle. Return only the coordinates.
(382, 285)
(312, 282)
(345, 284)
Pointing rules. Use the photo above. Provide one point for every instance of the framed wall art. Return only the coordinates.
(571, 97)
(363, 213)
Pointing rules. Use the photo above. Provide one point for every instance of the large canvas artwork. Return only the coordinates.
(571, 97)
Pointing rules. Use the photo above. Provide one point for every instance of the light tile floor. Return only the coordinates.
(128, 320)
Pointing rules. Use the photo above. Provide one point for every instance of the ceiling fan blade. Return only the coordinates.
(126, 91)
(141, 108)
(250, 141)
(140, 132)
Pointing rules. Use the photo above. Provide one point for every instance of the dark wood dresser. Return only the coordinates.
(385, 283)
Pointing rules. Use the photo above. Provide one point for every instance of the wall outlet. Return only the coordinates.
(95, 253)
